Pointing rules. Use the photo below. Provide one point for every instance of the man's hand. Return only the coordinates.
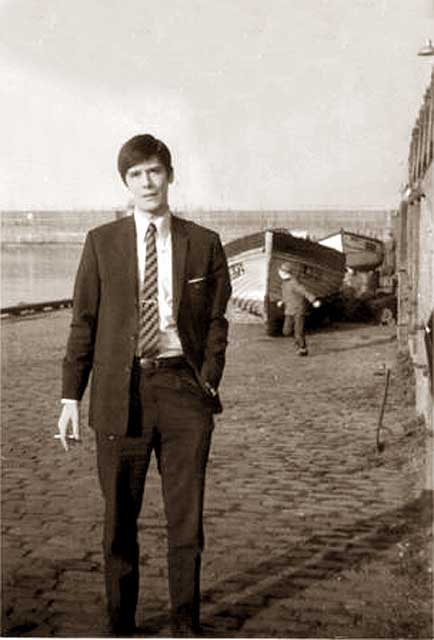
(70, 414)
(279, 303)
(316, 303)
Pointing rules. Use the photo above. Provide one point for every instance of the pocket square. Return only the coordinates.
(196, 280)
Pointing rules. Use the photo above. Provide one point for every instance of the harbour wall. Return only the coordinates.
(71, 226)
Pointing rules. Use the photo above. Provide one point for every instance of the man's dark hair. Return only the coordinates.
(140, 148)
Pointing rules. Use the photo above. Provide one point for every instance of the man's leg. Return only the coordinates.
(300, 341)
(122, 466)
(185, 425)
(288, 326)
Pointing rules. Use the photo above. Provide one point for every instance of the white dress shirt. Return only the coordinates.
(170, 344)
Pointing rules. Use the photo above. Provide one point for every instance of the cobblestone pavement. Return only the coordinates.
(291, 501)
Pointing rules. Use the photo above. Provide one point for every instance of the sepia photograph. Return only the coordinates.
(217, 300)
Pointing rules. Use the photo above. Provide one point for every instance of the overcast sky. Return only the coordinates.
(276, 104)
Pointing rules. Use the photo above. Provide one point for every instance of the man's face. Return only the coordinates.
(148, 182)
(285, 275)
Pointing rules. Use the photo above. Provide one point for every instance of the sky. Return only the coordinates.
(265, 105)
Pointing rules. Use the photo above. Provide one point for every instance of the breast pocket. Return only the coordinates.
(198, 302)
(197, 287)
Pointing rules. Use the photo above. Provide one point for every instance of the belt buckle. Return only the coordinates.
(147, 364)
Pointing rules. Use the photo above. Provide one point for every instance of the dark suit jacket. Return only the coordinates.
(104, 326)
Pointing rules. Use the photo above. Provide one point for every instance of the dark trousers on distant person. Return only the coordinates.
(294, 325)
(168, 414)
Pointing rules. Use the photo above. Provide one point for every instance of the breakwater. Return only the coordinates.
(70, 227)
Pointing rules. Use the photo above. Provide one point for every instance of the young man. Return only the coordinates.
(294, 301)
(149, 322)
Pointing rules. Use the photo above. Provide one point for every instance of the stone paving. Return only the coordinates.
(294, 495)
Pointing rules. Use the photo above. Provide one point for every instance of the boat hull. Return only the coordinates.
(362, 253)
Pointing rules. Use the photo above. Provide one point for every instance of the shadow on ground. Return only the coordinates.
(235, 600)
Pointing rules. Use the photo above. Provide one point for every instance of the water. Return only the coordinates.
(40, 251)
(37, 272)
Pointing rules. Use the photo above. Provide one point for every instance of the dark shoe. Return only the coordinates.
(122, 629)
(302, 351)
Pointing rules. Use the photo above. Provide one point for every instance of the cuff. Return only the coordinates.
(210, 389)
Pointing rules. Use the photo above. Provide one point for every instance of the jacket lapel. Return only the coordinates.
(127, 255)
(179, 255)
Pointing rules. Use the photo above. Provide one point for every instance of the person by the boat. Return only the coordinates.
(295, 298)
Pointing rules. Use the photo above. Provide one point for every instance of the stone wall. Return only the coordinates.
(416, 259)
(42, 227)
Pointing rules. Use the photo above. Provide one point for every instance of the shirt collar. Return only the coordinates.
(143, 219)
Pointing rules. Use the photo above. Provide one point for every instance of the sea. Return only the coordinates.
(40, 250)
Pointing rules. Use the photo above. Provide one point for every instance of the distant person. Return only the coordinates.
(388, 268)
(348, 287)
(294, 301)
(149, 322)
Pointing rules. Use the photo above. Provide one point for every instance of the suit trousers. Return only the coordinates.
(169, 414)
(294, 325)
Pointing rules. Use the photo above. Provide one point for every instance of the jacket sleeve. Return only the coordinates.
(307, 294)
(216, 341)
(78, 360)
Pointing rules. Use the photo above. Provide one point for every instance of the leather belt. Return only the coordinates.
(152, 364)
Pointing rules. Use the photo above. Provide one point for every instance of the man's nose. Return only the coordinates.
(147, 179)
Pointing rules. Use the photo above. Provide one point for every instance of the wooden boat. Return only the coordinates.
(362, 253)
(254, 261)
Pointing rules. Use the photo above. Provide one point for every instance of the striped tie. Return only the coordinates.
(149, 320)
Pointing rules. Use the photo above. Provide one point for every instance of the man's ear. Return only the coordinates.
(171, 176)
